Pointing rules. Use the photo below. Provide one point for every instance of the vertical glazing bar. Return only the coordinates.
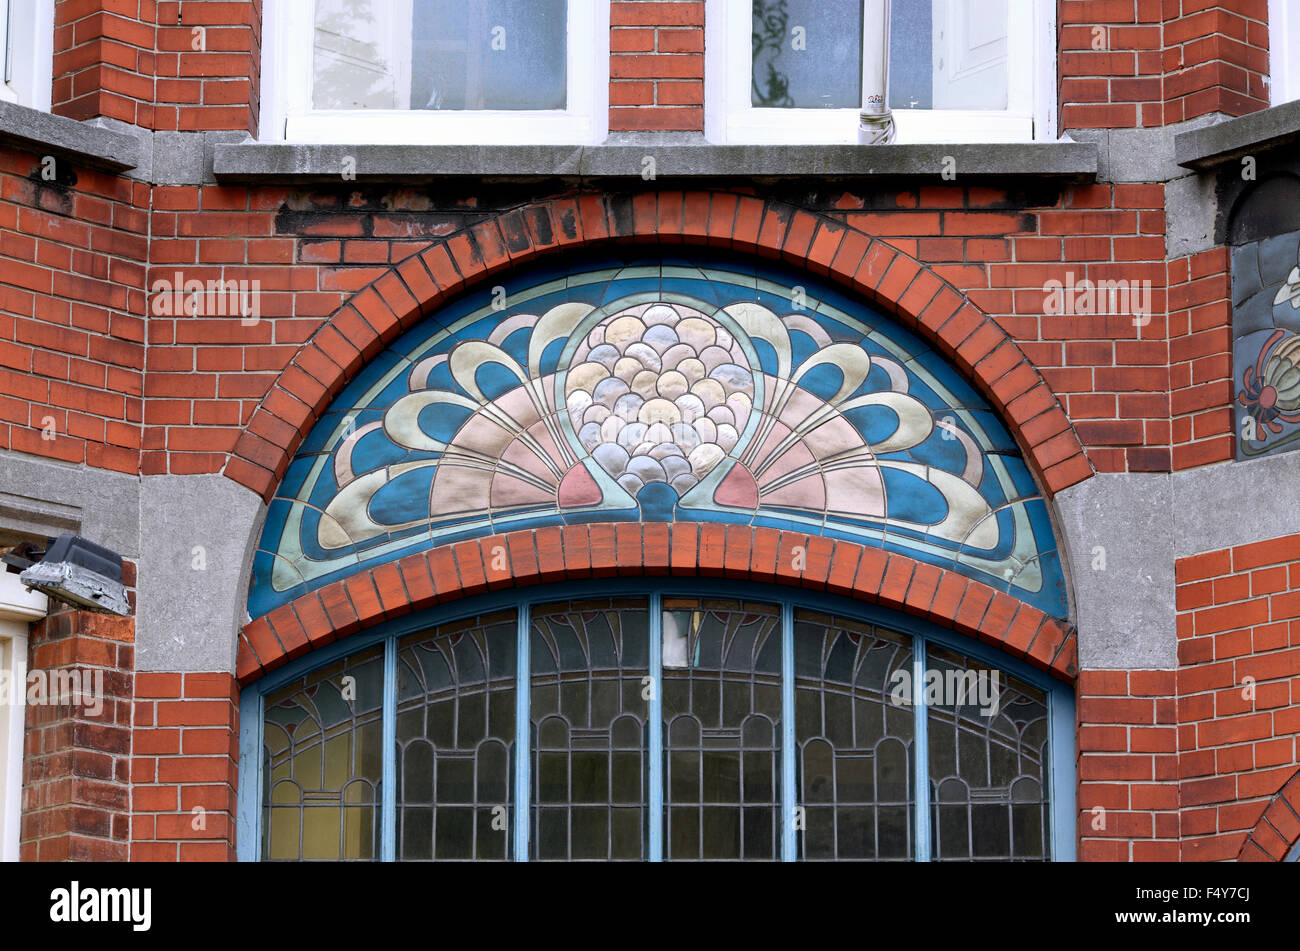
(922, 772)
(788, 792)
(249, 829)
(655, 752)
(1060, 785)
(523, 744)
(9, 41)
(388, 827)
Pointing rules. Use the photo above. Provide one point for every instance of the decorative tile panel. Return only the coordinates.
(659, 389)
(1266, 344)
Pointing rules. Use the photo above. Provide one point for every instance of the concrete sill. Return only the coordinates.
(1258, 132)
(251, 161)
(58, 135)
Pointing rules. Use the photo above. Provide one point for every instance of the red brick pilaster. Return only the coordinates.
(656, 65)
(77, 757)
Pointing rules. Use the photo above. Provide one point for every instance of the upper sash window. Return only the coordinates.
(431, 71)
(783, 71)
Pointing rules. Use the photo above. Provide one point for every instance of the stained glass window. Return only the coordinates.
(322, 761)
(722, 712)
(589, 708)
(659, 725)
(856, 750)
(988, 742)
(455, 733)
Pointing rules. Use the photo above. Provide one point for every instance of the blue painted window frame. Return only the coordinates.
(1060, 705)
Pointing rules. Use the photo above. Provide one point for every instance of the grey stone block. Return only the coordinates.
(1139, 155)
(44, 497)
(1191, 212)
(199, 533)
(1144, 523)
(185, 158)
(1119, 538)
(624, 158)
(88, 143)
(1216, 144)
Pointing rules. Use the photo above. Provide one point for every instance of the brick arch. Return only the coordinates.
(1278, 829)
(525, 558)
(893, 281)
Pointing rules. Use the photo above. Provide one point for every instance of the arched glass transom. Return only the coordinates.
(703, 722)
(659, 389)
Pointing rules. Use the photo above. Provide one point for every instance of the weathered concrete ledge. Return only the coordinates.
(273, 161)
(1217, 144)
(91, 144)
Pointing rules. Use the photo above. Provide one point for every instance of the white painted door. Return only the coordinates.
(970, 54)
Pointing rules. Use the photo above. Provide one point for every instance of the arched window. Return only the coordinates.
(623, 721)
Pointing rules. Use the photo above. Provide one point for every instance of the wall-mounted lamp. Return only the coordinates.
(79, 572)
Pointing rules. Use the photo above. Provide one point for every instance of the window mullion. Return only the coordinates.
(789, 797)
(655, 752)
(523, 737)
(388, 818)
(921, 744)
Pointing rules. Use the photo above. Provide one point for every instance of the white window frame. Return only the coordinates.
(287, 114)
(1283, 51)
(730, 118)
(27, 52)
(18, 608)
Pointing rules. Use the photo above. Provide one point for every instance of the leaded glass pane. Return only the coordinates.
(988, 736)
(322, 762)
(589, 703)
(855, 749)
(455, 739)
(722, 715)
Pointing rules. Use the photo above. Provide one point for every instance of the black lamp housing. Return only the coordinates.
(76, 571)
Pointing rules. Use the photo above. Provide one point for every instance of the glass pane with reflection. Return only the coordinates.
(322, 762)
(440, 54)
(722, 722)
(943, 54)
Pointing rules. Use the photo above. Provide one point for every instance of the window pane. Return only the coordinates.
(589, 659)
(455, 739)
(322, 762)
(357, 59)
(440, 54)
(807, 54)
(944, 54)
(722, 722)
(855, 745)
(988, 754)
(488, 54)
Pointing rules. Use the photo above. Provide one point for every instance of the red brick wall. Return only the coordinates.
(656, 65)
(1182, 765)
(1200, 357)
(1135, 394)
(600, 550)
(160, 64)
(1238, 689)
(1143, 63)
(1127, 766)
(76, 764)
(72, 265)
(1216, 58)
(184, 767)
